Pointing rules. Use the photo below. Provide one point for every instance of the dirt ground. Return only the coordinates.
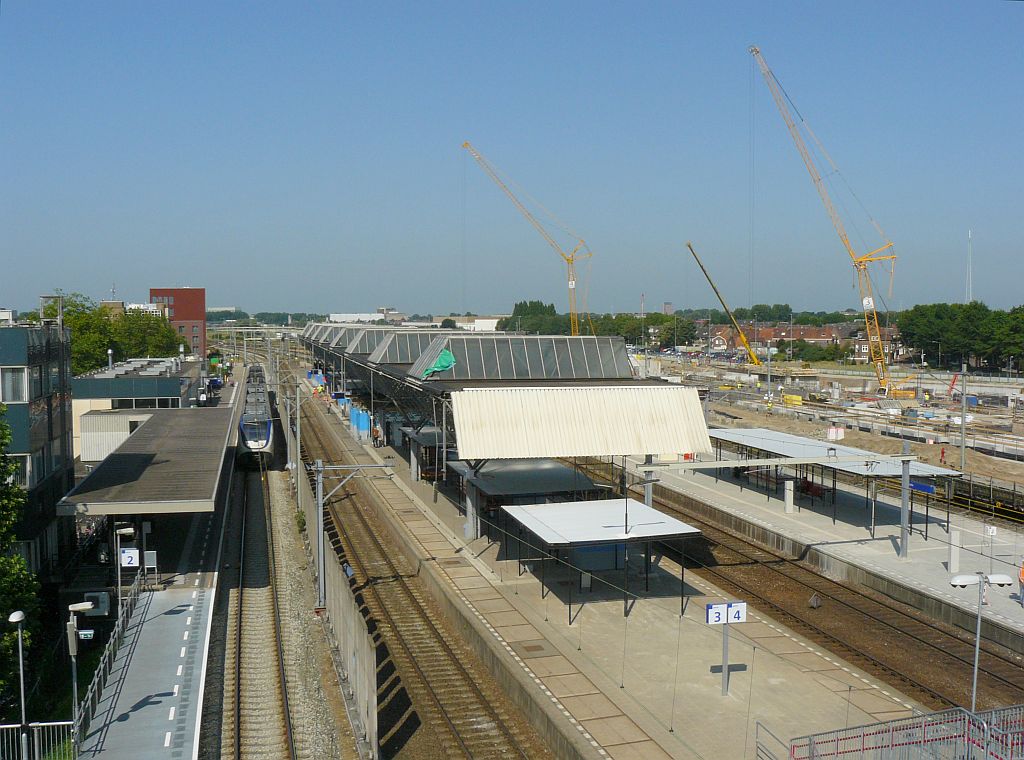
(981, 465)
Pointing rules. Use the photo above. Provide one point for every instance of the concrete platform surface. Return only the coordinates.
(647, 684)
(150, 705)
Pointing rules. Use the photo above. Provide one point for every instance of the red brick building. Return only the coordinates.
(186, 310)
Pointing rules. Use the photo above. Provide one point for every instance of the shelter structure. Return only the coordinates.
(593, 536)
(493, 484)
(835, 464)
(174, 462)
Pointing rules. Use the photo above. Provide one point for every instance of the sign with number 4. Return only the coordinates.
(720, 614)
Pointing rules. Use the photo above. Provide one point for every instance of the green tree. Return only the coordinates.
(448, 324)
(213, 317)
(139, 333)
(18, 587)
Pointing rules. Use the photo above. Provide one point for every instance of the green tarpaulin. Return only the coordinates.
(445, 360)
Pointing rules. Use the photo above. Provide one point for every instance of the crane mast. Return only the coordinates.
(570, 258)
(739, 331)
(876, 347)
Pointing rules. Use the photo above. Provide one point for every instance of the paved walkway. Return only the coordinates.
(646, 685)
(849, 538)
(149, 707)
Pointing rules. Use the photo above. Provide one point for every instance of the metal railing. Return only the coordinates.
(46, 741)
(767, 746)
(93, 695)
(954, 733)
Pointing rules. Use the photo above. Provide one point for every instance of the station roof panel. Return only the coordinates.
(597, 522)
(528, 357)
(172, 463)
(404, 347)
(589, 420)
(524, 477)
(786, 445)
(367, 339)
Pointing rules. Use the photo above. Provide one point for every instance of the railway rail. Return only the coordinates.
(926, 659)
(454, 696)
(256, 699)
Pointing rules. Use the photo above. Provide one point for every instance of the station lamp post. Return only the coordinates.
(981, 580)
(73, 651)
(18, 618)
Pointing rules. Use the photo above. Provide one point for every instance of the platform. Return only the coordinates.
(642, 685)
(150, 706)
(844, 533)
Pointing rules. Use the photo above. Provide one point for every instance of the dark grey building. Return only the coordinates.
(35, 376)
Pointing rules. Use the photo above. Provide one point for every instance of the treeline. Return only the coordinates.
(664, 330)
(263, 317)
(778, 312)
(952, 333)
(94, 329)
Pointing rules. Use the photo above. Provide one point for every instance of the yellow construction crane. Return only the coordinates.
(860, 262)
(570, 258)
(739, 331)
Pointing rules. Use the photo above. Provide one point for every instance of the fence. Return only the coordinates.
(87, 708)
(346, 629)
(951, 734)
(46, 741)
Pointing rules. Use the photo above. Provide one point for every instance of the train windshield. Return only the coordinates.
(255, 430)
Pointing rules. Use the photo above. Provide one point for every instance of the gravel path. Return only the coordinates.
(321, 724)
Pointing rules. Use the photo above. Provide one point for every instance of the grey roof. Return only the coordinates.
(529, 357)
(524, 477)
(795, 446)
(172, 463)
(597, 522)
(425, 436)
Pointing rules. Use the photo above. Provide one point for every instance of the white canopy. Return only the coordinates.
(597, 522)
(587, 420)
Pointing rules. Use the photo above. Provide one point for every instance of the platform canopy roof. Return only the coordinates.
(172, 463)
(875, 465)
(404, 347)
(569, 421)
(524, 477)
(598, 522)
(527, 357)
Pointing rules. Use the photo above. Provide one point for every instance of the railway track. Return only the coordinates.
(453, 694)
(257, 722)
(925, 659)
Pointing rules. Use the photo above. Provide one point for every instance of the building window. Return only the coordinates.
(195, 329)
(170, 312)
(12, 385)
(175, 403)
(37, 382)
(38, 471)
(122, 403)
(181, 329)
(145, 403)
(20, 476)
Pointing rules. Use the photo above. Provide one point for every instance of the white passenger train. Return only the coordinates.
(256, 427)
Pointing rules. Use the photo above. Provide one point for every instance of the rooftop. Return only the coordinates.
(172, 463)
(597, 522)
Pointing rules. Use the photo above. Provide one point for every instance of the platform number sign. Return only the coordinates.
(723, 613)
(130, 558)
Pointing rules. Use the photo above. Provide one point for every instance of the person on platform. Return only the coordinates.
(1020, 584)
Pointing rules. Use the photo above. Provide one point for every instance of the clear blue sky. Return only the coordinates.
(306, 156)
